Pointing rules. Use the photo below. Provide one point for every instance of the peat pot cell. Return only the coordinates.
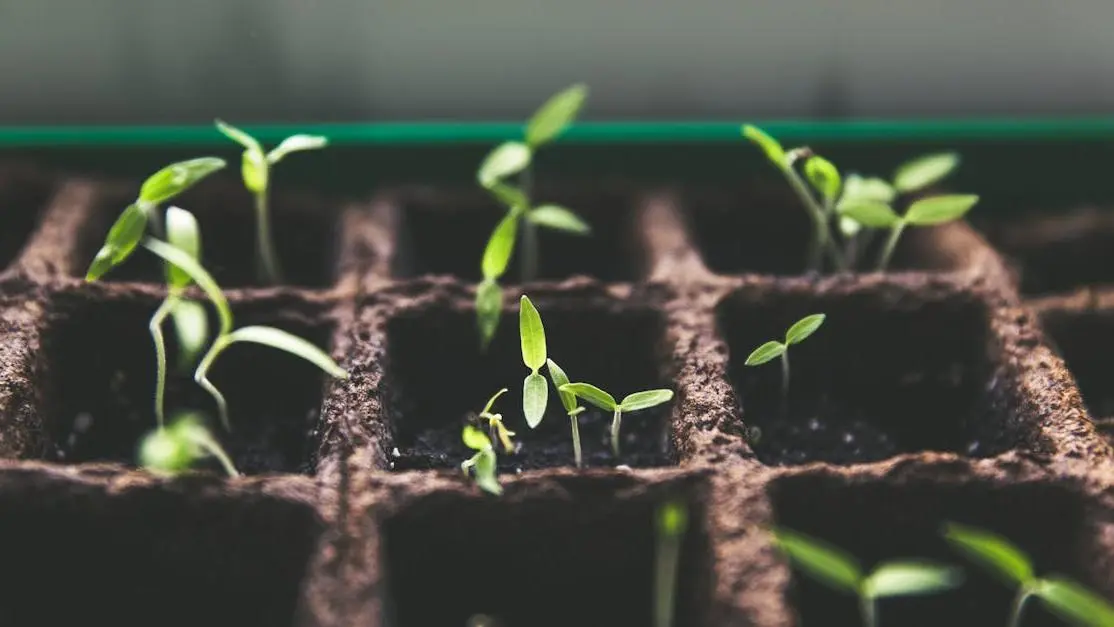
(1056, 253)
(150, 558)
(583, 558)
(446, 235)
(765, 231)
(439, 378)
(879, 378)
(304, 231)
(23, 195)
(880, 522)
(1085, 339)
(99, 391)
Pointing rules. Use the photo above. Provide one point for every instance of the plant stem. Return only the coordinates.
(821, 239)
(265, 246)
(214, 449)
(615, 421)
(155, 326)
(201, 377)
(529, 261)
(867, 605)
(785, 375)
(891, 244)
(576, 440)
(1019, 599)
(665, 579)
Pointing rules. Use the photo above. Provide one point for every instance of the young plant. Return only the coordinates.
(773, 349)
(672, 522)
(535, 392)
(256, 171)
(841, 572)
(606, 402)
(1064, 597)
(568, 400)
(496, 428)
(482, 464)
(174, 449)
(924, 212)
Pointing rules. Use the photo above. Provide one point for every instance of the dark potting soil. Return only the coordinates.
(23, 195)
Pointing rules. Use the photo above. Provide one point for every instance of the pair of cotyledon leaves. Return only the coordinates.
(483, 463)
(796, 334)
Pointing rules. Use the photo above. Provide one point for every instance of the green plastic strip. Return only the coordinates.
(441, 133)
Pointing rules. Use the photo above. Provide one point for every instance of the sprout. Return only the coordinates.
(175, 449)
(535, 392)
(495, 425)
(568, 400)
(256, 171)
(483, 462)
(606, 402)
(842, 573)
(924, 212)
(916, 175)
(773, 349)
(1066, 598)
(672, 522)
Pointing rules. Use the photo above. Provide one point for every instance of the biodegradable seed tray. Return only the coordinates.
(930, 394)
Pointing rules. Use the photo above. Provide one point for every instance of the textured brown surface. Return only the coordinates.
(934, 388)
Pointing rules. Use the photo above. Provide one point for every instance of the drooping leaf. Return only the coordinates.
(191, 326)
(592, 394)
(491, 401)
(500, 247)
(872, 214)
(505, 160)
(1075, 603)
(296, 143)
(475, 439)
(240, 137)
(199, 275)
(489, 308)
(939, 209)
(824, 176)
(769, 145)
(857, 188)
(509, 196)
(924, 171)
(183, 233)
(535, 396)
(192, 430)
(559, 378)
(767, 352)
(290, 343)
(485, 472)
(177, 178)
(826, 563)
(551, 119)
(803, 328)
(991, 551)
(645, 400)
(672, 519)
(911, 578)
(532, 335)
(122, 239)
(254, 169)
(560, 218)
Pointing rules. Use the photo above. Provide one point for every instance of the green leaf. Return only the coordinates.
(939, 209)
(559, 378)
(803, 328)
(500, 247)
(535, 396)
(199, 275)
(532, 335)
(555, 115)
(910, 578)
(673, 518)
(489, 308)
(191, 325)
(769, 145)
(824, 176)
(253, 168)
(1074, 603)
(992, 552)
(122, 239)
(290, 343)
(857, 188)
(826, 563)
(924, 171)
(559, 218)
(768, 351)
(240, 137)
(509, 196)
(177, 178)
(491, 401)
(485, 472)
(296, 143)
(645, 400)
(505, 160)
(475, 439)
(183, 233)
(164, 452)
(849, 227)
(875, 215)
(592, 394)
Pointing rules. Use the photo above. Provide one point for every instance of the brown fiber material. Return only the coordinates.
(932, 393)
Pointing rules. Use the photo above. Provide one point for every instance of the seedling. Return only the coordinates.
(514, 159)
(1064, 597)
(256, 171)
(496, 428)
(482, 464)
(924, 212)
(672, 522)
(841, 572)
(535, 392)
(606, 402)
(175, 449)
(773, 349)
(568, 400)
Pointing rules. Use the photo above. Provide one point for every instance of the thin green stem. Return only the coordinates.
(665, 579)
(213, 448)
(785, 374)
(615, 423)
(575, 422)
(529, 260)
(870, 618)
(891, 245)
(1023, 594)
(201, 377)
(155, 326)
(822, 241)
(265, 245)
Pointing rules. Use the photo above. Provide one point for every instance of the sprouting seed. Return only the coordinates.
(632, 402)
(496, 427)
(841, 572)
(483, 463)
(1064, 597)
(773, 349)
(535, 391)
(256, 170)
(672, 522)
(174, 449)
(568, 400)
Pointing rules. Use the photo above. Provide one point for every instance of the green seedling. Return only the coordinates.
(227, 336)
(496, 428)
(568, 400)
(1064, 597)
(482, 464)
(176, 448)
(606, 402)
(773, 349)
(841, 572)
(256, 171)
(514, 159)
(535, 392)
(672, 522)
(929, 211)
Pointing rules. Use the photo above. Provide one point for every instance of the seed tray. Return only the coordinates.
(932, 393)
